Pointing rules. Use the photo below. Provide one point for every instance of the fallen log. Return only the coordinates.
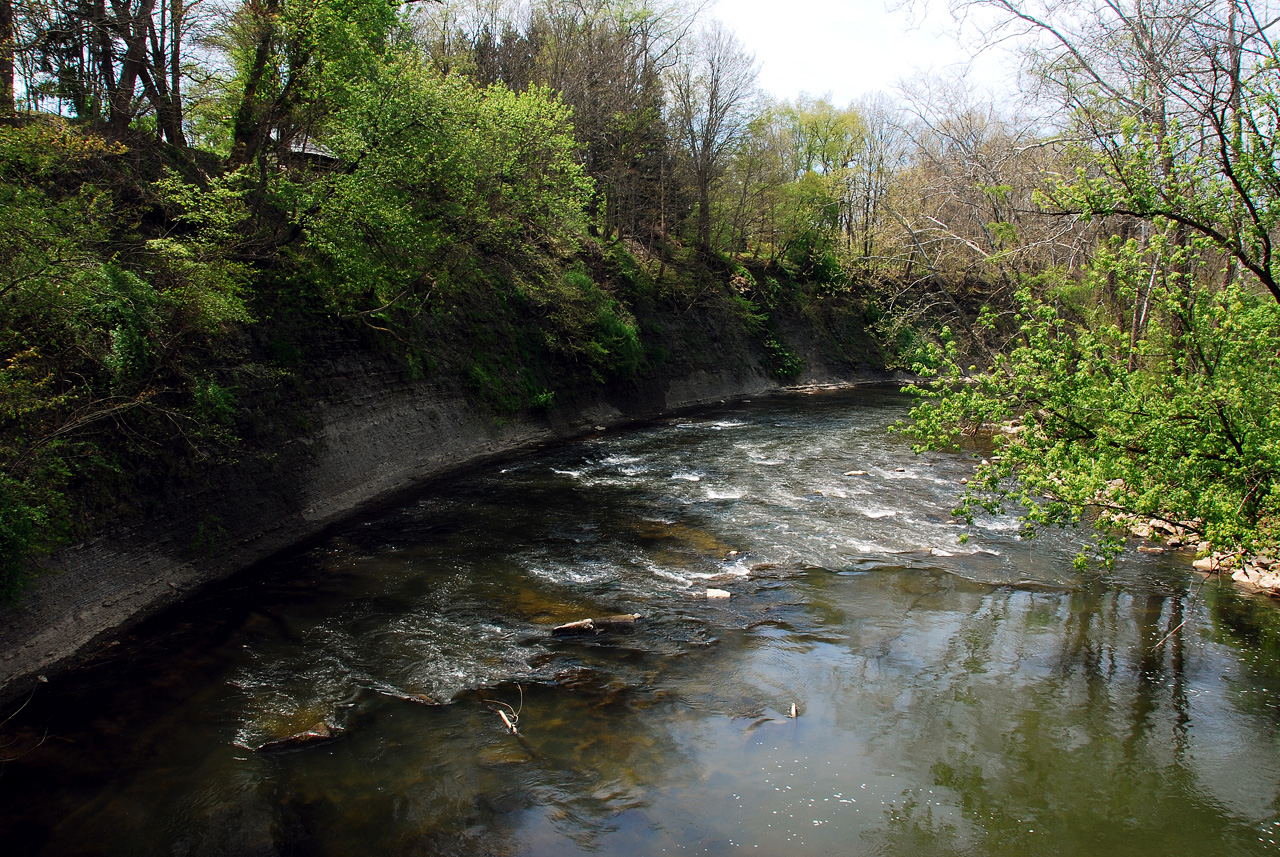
(317, 734)
(621, 622)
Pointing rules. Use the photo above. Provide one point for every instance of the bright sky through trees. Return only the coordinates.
(850, 48)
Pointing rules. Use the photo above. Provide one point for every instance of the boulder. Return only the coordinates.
(1247, 576)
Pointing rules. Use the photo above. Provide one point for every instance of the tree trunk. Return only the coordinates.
(156, 82)
(704, 214)
(133, 30)
(6, 61)
(101, 61)
(250, 127)
(177, 12)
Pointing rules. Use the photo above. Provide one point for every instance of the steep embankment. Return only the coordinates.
(363, 433)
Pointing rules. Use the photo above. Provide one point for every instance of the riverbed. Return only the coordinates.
(882, 679)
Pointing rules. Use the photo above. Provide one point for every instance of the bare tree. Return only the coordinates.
(1192, 80)
(110, 61)
(712, 96)
(873, 174)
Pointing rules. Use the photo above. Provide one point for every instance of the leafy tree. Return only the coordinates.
(1199, 448)
(441, 174)
(109, 61)
(606, 60)
(1147, 385)
(295, 62)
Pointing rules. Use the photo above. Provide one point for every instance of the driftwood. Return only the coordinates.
(317, 734)
(622, 622)
(417, 698)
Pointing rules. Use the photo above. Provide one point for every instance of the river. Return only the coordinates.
(957, 689)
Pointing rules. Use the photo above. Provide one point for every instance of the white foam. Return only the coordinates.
(575, 573)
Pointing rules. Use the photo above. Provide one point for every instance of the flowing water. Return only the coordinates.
(953, 695)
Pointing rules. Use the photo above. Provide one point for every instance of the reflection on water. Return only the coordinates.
(975, 697)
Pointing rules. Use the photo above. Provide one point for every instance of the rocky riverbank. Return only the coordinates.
(1254, 573)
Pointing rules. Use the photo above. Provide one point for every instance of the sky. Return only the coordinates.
(851, 48)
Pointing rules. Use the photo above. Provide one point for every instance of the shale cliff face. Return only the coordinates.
(367, 437)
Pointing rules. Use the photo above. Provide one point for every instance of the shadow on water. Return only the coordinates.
(954, 695)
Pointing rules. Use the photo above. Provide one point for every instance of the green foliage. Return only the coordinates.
(121, 312)
(1179, 427)
(507, 388)
(293, 64)
(1227, 192)
(195, 262)
(209, 535)
(30, 524)
(748, 312)
(214, 403)
(442, 175)
(592, 326)
(1146, 385)
(616, 346)
(780, 360)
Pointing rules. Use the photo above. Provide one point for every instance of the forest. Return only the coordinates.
(192, 188)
